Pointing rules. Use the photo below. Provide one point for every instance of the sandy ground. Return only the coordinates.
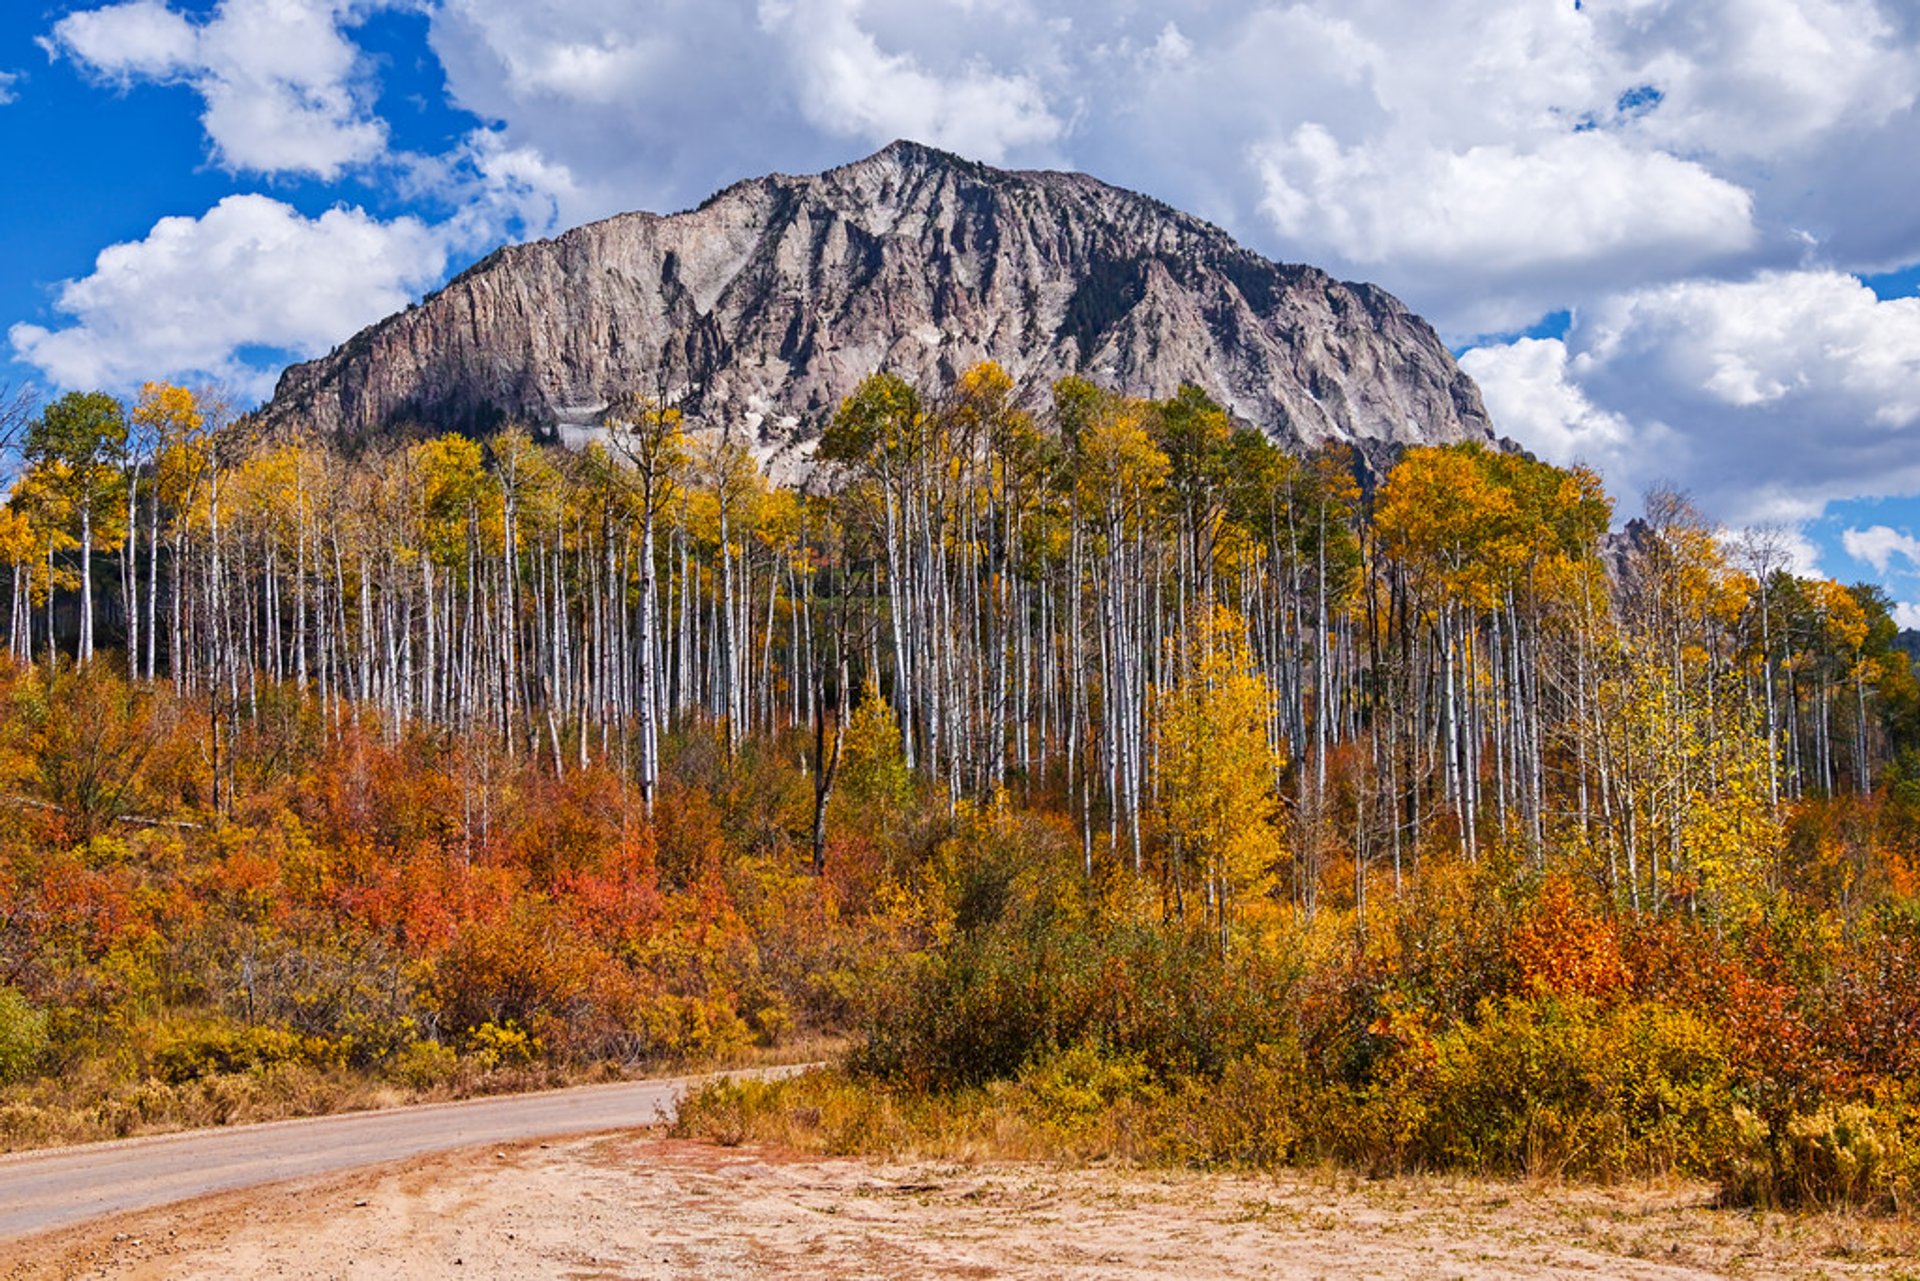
(641, 1206)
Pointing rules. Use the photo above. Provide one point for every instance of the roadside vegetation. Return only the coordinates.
(1109, 783)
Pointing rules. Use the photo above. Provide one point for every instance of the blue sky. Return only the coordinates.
(1675, 239)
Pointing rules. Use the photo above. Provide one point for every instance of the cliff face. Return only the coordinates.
(764, 307)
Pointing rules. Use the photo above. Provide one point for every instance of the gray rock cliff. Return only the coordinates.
(765, 306)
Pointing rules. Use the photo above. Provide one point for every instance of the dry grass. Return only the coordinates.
(1667, 1223)
(93, 1103)
(643, 1207)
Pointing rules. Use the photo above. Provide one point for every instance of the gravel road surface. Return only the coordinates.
(58, 1187)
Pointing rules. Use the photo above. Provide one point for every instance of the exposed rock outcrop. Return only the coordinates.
(765, 306)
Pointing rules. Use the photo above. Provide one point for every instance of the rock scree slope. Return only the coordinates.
(761, 309)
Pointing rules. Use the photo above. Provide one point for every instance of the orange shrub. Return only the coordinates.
(1563, 949)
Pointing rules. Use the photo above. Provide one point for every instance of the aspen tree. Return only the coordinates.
(86, 433)
(1216, 765)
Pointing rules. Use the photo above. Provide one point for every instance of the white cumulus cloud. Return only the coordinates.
(141, 38)
(1530, 394)
(1488, 160)
(659, 108)
(1761, 78)
(1881, 545)
(1766, 397)
(281, 81)
(853, 87)
(1427, 211)
(639, 110)
(196, 293)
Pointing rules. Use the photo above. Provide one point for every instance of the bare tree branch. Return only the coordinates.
(17, 406)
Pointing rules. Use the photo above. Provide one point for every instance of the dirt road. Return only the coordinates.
(41, 1191)
(464, 1190)
(634, 1206)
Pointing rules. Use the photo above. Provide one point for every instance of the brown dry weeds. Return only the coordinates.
(643, 1206)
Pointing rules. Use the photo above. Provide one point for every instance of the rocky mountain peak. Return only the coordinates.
(767, 304)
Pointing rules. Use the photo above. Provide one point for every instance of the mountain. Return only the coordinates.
(1908, 642)
(765, 306)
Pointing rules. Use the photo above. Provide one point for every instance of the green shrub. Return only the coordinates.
(23, 1036)
(424, 1065)
(819, 1111)
(1556, 1086)
(1851, 1154)
(502, 1045)
(993, 1002)
(200, 1050)
(1067, 1090)
(1262, 1112)
(692, 1027)
(1859, 1155)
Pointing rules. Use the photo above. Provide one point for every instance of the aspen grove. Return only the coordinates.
(552, 758)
